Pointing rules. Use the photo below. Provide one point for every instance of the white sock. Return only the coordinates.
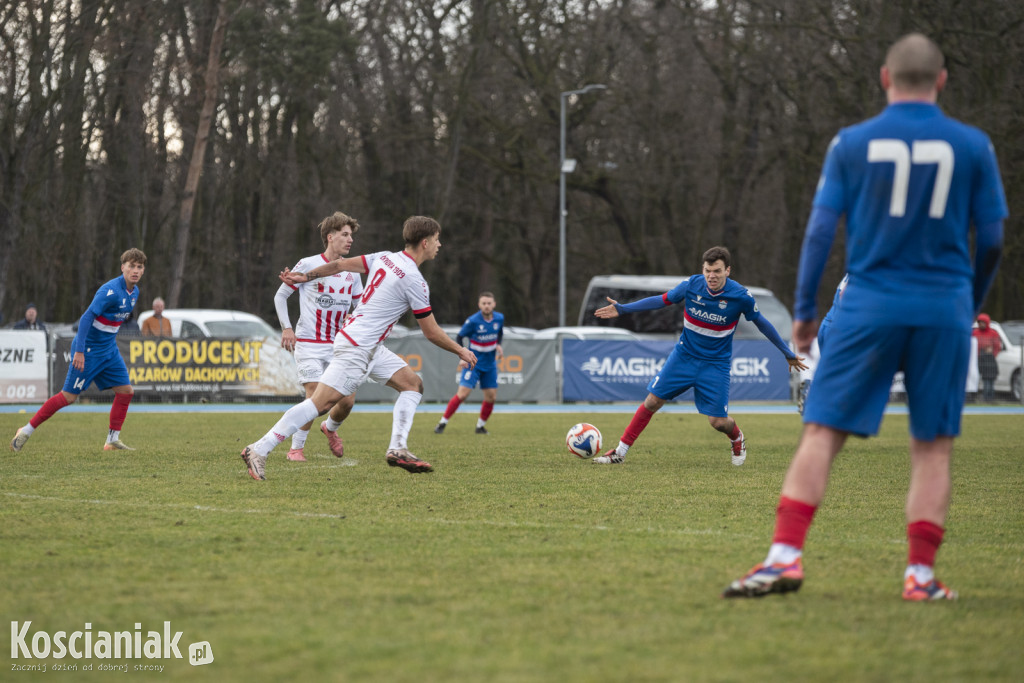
(922, 573)
(480, 423)
(622, 449)
(781, 553)
(28, 429)
(299, 438)
(331, 425)
(113, 435)
(294, 417)
(402, 416)
(443, 420)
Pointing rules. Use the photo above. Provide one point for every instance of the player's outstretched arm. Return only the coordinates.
(355, 264)
(768, 330)
(615, 309)
(433, 332)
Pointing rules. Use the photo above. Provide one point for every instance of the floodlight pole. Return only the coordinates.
(565, 167)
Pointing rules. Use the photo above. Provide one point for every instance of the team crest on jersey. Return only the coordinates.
(723, 304)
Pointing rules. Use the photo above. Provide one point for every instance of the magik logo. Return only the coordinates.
(89, 644)
(750, 367)
(623, 367)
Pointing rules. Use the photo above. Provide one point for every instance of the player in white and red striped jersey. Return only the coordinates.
(324, 304)
(393, 287)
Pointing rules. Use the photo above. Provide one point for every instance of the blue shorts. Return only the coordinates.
(852, 382)
(487, 377)
(106, 368)
(708, 379)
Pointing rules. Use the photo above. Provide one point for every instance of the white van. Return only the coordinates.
(668, 322)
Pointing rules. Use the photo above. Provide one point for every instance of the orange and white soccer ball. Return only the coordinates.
(583, 440)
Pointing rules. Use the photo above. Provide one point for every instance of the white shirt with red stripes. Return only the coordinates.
(324, 303)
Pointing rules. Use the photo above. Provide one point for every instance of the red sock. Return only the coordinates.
(638, 424)
(735, 433)
(792, 520)
(453, 405)
(119, 410)
(46, 411)
(485, 410)
(924, 539)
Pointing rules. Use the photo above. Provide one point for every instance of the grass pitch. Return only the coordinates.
(513, 561)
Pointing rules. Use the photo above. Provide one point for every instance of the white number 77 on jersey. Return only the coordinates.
(897, 152)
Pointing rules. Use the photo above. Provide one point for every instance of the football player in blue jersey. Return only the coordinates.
(701, 360)
(910, 181)
(483, 329)
(96, 356)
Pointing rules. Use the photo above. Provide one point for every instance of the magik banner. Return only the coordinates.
(214, 367)
(24, 366)
(620, 371)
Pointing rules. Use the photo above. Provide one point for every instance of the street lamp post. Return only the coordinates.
(565, 166)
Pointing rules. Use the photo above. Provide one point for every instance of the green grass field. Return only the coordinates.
(513, 561)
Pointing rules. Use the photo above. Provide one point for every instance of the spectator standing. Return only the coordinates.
(31, 320)
(989, 346)
(157, 325)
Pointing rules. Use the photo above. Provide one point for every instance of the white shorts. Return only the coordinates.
(312, 359)
(352, 365)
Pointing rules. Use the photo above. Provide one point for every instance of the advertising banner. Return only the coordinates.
(24, 366)
(621, 370)
(527, 373)
(214, 367)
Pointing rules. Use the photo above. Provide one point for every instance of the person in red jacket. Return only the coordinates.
(989, 346)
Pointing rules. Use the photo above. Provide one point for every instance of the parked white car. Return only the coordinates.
(190, 323)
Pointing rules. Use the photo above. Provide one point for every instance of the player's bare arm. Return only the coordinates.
(433, 332)
(608, 311)
(288, 339)
(350, 265)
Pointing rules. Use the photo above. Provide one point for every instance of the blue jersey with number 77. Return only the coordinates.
(910, 182)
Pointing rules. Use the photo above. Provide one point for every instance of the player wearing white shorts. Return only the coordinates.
(394, 286)
(324, 304)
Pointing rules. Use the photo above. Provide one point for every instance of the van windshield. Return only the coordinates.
(669, 320)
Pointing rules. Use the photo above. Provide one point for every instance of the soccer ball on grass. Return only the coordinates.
(583, 440)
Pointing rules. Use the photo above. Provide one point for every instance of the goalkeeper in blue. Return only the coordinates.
(701, 360)
(911, 182)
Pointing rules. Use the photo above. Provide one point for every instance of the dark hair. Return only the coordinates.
(418, 228)
(718, 254)
(334, 223)
(489, 294)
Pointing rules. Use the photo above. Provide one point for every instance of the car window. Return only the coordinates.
(239, 328)
(190, 330)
